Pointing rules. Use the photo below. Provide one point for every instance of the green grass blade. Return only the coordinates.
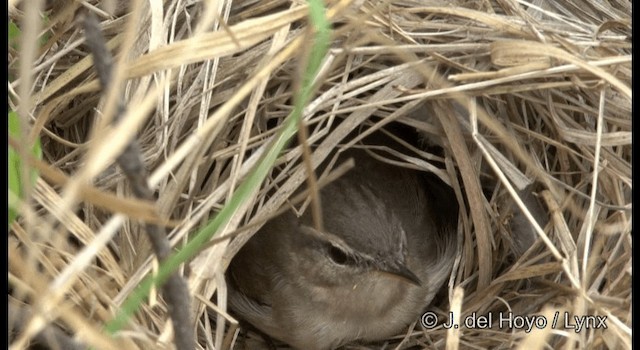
(322, 34)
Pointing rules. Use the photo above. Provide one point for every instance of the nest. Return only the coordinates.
(521, 97)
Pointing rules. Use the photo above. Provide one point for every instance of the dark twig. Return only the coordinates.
(175, 289)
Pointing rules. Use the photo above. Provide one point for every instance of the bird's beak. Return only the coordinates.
(397, 269)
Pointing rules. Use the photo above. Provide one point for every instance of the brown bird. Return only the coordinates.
(387, 246)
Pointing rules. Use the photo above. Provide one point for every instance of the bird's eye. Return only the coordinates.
(338, 255)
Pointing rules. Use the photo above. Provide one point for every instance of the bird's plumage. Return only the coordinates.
(320, 290)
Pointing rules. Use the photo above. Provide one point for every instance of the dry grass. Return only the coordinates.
(539, 92)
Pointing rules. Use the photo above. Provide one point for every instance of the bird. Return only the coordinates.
(386, 247)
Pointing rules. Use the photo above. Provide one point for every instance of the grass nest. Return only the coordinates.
(523, 97)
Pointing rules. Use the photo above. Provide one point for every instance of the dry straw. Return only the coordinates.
(521, 95)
